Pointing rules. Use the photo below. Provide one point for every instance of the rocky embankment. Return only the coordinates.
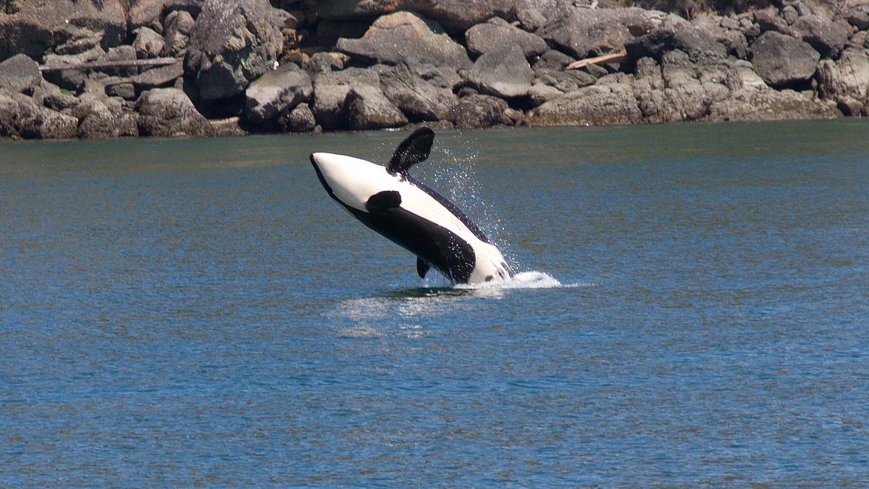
(123, 68)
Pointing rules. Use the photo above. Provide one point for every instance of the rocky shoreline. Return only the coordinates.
(130, 68)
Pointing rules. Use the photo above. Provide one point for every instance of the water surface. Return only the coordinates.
(198, 313)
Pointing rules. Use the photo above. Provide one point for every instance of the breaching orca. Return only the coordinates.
(412, 215)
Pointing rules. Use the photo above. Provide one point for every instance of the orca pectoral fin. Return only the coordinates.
(383, 200)
(422, 267)
(412, 150)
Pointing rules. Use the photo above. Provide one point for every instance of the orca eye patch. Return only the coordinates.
(383, 200)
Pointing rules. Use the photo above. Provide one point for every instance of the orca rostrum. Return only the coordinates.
(409, 213)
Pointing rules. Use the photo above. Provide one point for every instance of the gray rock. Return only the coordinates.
(160, 77)
(405, 38)
(769, 20)
(564, 81)
(847, 78)
(585, 32)
(553, 59)
(300, 119)
(233, 43)
(125, 90)
(751, 104)
(276, 92)
(73, 80)
(19, 74)
(497, 32)
(321, 62)
(608, 103)
(368, 108)
(179, 25)
(858, 16)
(480, 111)
(503, 72)
(148, 44)
(100, 119)
(330, 94)
(698, 44)
(789, 14)
(782, 60)
(826, 36)
(540, 93)
(420, 99)
(168, 112)
(20, 117)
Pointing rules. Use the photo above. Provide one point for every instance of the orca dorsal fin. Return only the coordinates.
(412, 150)
(422, 267)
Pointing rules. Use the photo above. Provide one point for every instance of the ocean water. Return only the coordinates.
(691, 310)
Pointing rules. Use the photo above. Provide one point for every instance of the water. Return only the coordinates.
(692, 312)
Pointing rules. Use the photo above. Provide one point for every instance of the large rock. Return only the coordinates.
(20, 117)
(70, 26)
(828, 37)
(168, 112)
(479, 110)
(101, 117)
(421, 92)
(751, 104)
(148, 43)
(782, 60)
(588, 32)
(19, 74)
(456, 15)
(330, 94)
(609, 102)
(233, 43)
(178, 27)
(368, 109)
(276, 92)
(497, 32)
(405, 38)
(697, 43)
(846, 80)
(503, 72)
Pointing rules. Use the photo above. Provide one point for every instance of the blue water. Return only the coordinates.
(692, 312)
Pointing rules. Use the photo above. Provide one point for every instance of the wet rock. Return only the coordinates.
(148, 44)
(497, 33)
(826, 36)
(368, 108)
(846, 79)
(20, 117)
(179, 25)
(232, 44)
(300, 119)
(502, 72)
(405, 38)
(479, 110)
(769, 105)
(609, 102)
(168, 112)
(782, 60)
(330, 93)
(421, 94)
(19, 74)
(276, 92)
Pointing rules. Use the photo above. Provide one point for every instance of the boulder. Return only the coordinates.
(503, 72)
(782, 60)
(73, 80)
(697, 43)
(276, 92)
(858, 16)
(419, 97)
(178, 26)
(330, 61)
(591, 32)
(20, 117)
(160, 77)
(828, 37)
(847, 78)
(168, 112)
(751, 104)
(101, 117)
(232, 44)
(19, 74)
(405, 38)
(564, 81)
(609, 102)
(368, 109)
(300, 119)
(479, 111)
(330, 93)
(148, 44)
(497, 33)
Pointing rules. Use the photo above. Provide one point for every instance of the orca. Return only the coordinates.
(404, 210)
